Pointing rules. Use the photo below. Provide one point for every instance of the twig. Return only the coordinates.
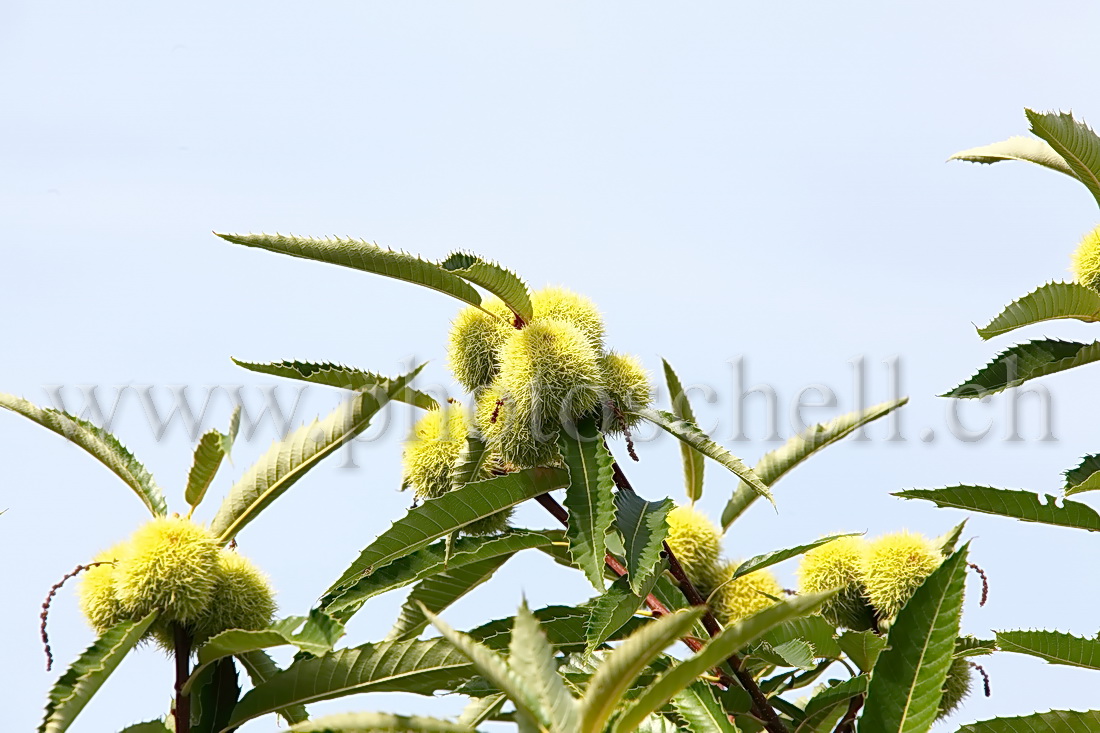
(49, 599)
(182, 709)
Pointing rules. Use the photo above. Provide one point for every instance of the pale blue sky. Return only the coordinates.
(724, 179)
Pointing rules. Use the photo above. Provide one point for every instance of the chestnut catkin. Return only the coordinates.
(1085, 262)
(894, 567)
(171, 567)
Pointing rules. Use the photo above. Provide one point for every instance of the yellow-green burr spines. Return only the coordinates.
(956, 687)
(97, 593)
(838, 564)
(696, 543)
(432, 449)
(745, 596)
(242, 599)
(1086, 260)
(473, 350)
(171, 567)
(894, 567)
(561, 304)
(550, 369)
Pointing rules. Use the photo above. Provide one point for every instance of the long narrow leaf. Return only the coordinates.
(316, 634)
(1047, 303)
(1084, 477)
(613, 609)
(776, 464)
(688, 432)
(261, 668)
(437, 518)
(362, 255)
(700, 710)
(103, 446)
(213, 696)
(1056, 721)
(438, 592)
(1022, 148)
(621, 666)
(718, 649)
(1074, 142)
(907, 680)
(589, 498)
(289, 460)
(777, 556)
(693, 459)
(500, 281)
(213, 447)
(1022, 505)
(343, 601)
(338, 375)
(1055, 647)
(532, 658)
(378, 723)
(644, 527)
(1023, 362)
(88, 673)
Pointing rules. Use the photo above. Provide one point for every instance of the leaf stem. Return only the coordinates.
(182, 713)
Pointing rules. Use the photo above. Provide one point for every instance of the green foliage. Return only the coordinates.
(701, 711)
(1056, 721)
(1074, 141)
(290, 459)
(344, 377)
(693, 459)
(908, 677)
(689, 433)
(103, 446)
(377, 723)
(1022, 505)
(213, 695)
(1018, 364)
(1017, 148)
(777, 463)
(1084, 477)
(316, 634)
(437, 592)
(1047, 303)
(212, 448)
(644, 527)
(1054, 646)
(588, 498)
(88, 673)
(614, 608)
(498, 280)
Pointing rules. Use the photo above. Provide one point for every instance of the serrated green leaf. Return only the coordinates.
(102, 445)
(623, 665)
(1022, 505)
(612, 609)
(213, 447)
(87, 674)
(420, 667)
(728, 641)
(316, 634)
(1026, 149)
(813, 629)
(500, 281)
(907, 680)
(690, 434)
(213, 696)
(260, 668)
(290, 459)
(149, 726)
(794, 653)
(343, 601)
(777, 463)
(826, 707)
(693, 459)
(378, 723)
(970, 646)
(366, 256)
(471, 459)
(565, 627)
(1055, 647)
(480, 709)
(1085, 476)
(589, 498)
(698, 707)
(344, 377)
(439, 591)
(946, 542)
(1074, 142)
(1049, 302)
(777, 556)
(532, 659)
(644, 527)
(437, 518)
(1056, 721)
(496, 670)
(862, 647)
(1023, 362)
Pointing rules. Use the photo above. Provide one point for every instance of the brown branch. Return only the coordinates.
(847, 724)
(182, 708)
